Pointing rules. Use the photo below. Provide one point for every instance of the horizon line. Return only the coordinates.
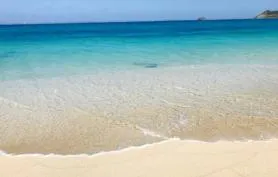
(131, 21)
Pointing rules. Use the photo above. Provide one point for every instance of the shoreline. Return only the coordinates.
(139, 147)
(169, 158)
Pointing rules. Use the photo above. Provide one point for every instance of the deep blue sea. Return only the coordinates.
(48, 50)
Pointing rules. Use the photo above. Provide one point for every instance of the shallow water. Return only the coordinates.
(85, 88)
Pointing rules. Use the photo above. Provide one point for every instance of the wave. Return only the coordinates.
(148, 132)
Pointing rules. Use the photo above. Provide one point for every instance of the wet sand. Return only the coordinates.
(92, 134)
(94, 113)
(172, 158)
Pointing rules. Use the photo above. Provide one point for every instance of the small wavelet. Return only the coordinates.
(2, 153)
(147, 132)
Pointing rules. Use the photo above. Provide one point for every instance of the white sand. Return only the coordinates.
(174, 158)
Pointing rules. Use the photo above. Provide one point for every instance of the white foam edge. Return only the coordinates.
(131, 148)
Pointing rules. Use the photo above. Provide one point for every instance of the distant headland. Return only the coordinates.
(268, 14)
(201, 18)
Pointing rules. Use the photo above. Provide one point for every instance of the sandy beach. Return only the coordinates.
(174, 158)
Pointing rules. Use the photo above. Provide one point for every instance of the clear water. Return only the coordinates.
(86, 88)
(66, 49)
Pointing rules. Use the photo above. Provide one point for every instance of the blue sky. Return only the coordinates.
(41, 11)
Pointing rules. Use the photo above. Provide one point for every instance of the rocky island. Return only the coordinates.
(201, 18)
(267, 15)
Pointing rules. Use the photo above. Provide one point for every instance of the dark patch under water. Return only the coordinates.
(146, 65)
(7, 54)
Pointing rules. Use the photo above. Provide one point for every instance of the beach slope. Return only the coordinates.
(174, 158)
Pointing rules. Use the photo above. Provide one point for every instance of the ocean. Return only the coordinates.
(92, 87)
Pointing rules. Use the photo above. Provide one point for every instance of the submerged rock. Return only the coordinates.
(7, 54)
(146, 65)
(154, 65)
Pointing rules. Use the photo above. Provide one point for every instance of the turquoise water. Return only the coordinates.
(87, 88)
(67, 49)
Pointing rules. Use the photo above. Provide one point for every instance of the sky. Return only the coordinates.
(56, 11)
